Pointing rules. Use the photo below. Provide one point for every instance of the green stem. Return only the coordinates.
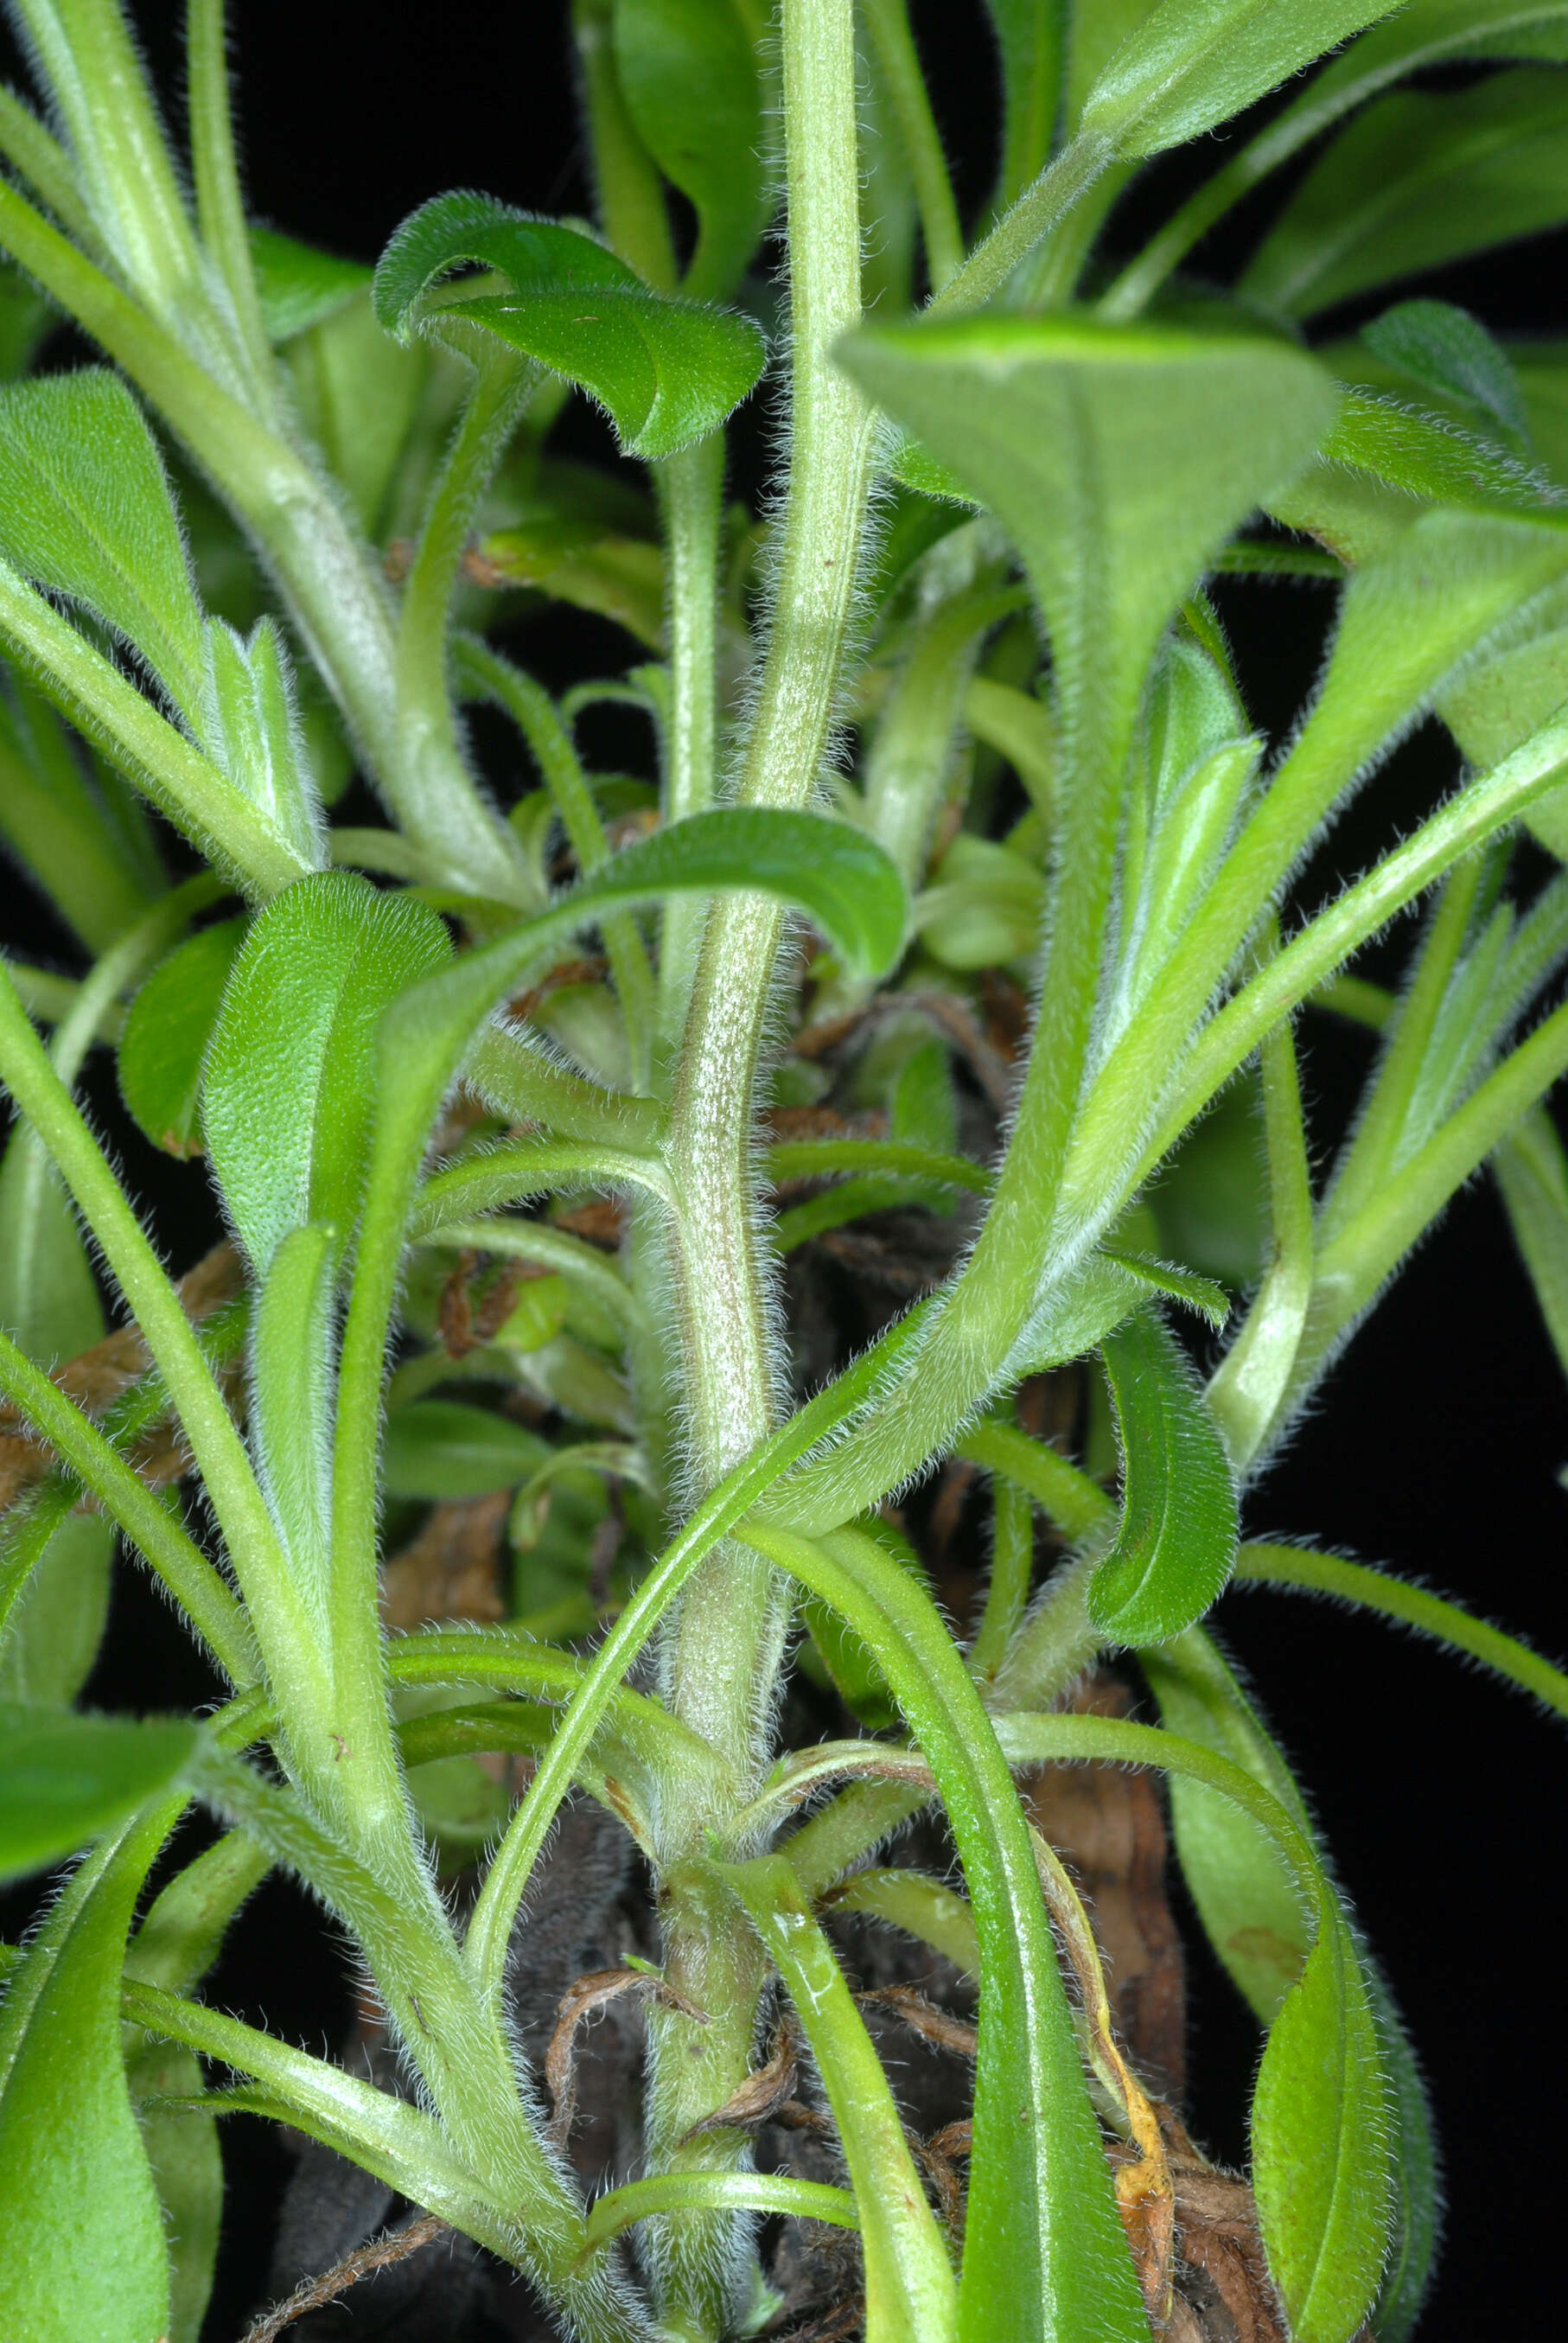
(900, 61)
(518, 1081)
(1011, 1568)
(690, 488)
(1301, 1571)
(721, 1666)
(220, 206)
(1065, 1495)
(41, 159)
(630, 193)
(1046, 200)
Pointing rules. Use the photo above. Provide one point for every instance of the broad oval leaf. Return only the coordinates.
(1118, 458)
(85, 510)
(443, 1449)
(1193, 63)
(64, 1779)
(1176, 1542)
(1418, 180)
(287, 1091)
(167, 1034)
(691, 72)
(84, 2249)
(667, 372)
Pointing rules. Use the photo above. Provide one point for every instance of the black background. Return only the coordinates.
(1435, 1446)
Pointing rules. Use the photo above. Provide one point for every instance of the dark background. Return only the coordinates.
(1434, 1448)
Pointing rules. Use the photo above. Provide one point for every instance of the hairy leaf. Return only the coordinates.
(690, 74)
(1192, 64)
(300, 287)
(84, 2253)
(667, 372)
(1176, 1541)
(64, 1779)
(1416, 181)
(84, 509)
(167, 1031)
(250, 722)
(293, 1052)
(1446, 350)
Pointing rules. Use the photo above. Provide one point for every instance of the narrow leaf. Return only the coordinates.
(85, 510)
(64, 1779)
(300, 287)
(84, 2253)
(619, 2209)
(1419, 180)
(1176, 1542)
(1029, 36)
(167, 1031)
(667, 372)
(1192, 64)
(1531, 1170)
(443, 1448)
(292, 1056)
(690, 74)
(250, 723)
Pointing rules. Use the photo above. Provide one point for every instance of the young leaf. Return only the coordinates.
(85, 510)
(1029, 36)
(64, 1779)
(1531, 1170)
(1176, 1541)
(1419, 180)
(293, 1052)
(1192, 64)
(690, 74)
(444, 1449)
(167, 1034)
(251, 726)
(84, 2251)
(1446, 350)
(1030, 411)
(666, 372)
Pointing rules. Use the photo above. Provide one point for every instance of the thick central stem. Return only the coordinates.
(720, 1660)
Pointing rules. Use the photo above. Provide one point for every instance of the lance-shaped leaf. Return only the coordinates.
(83, 2251)
(288, 1091)
(1116, 457)
(85, 510)
(1416, 181)
(1249, 1899)
(1192, 64)
(1176, 1542)
(250, 722)
(64, 1778)
(300, 287)
(691, 72)
(667, 372)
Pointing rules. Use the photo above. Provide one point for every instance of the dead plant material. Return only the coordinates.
(833, 2326)
(1108, 1827)
(760, 2098)
(452, 1570)
(602, 1223)
(593, 1992)
(478, 1299)
(923, 2017)
(393, 2245)
(96, 1378)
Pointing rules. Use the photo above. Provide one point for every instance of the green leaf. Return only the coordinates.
(1176, 1541)
(664, 2193)
(1320, 2120)
(1029, 36)
(250, 723)
(1210, 1200)
(1192, 64)
(85, 510)
(983, 905)
(291, 1393)
(300, 287)
(1531, 1170)
(362, 397)
(443, 1449)
(1028, 410)
(64, 1779)
(1415, 182)
(84, 2253)
(909, 2287)
(690, 74)
(287, 1091)
(666, 372)
(1444, 349)
(166, 1035)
